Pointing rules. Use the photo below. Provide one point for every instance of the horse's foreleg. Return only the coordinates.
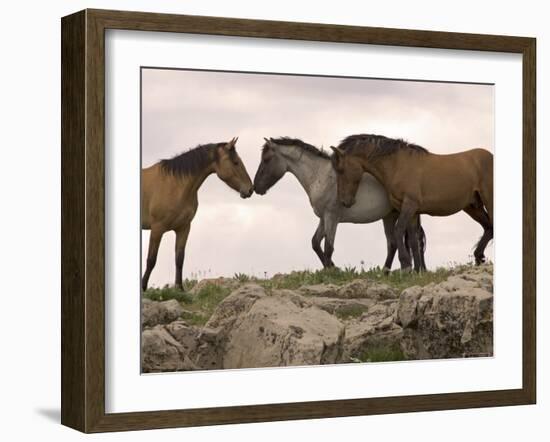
(154, 243)
(408, 209)
(181, 241)
(330, 235)
(482, 217)
(389, 228)
(316, 241)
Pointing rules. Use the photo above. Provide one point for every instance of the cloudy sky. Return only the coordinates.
(272, 233)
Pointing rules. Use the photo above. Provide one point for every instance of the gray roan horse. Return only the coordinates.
(313, 169)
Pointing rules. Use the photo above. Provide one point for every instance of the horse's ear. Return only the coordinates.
(231, 144)
(339, 152)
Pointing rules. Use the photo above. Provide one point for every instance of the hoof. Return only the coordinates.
(407, 269)
(480, 260)
(386, 270)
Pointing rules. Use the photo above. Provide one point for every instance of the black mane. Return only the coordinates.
(381, 145)
(287, 141)
(192, 161)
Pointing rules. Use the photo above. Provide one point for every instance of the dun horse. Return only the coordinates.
(313, 170)
(419, 182)
(169, 194)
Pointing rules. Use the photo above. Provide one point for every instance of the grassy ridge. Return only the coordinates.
(200, 306)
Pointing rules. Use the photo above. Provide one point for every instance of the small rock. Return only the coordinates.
(154, 312)
(185, 334)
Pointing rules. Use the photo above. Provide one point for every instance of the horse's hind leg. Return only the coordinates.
(181, 241)
(408, 209)
(154, 243)
(316, 241)
(482, 217)
(389, 228)
(412, 243)
(486, 190)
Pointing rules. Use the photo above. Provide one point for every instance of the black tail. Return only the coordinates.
(422, 239)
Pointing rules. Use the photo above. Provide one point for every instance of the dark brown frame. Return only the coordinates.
(83, 215)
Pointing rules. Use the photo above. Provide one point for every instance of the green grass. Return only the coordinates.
(379, 353)
(242, 277)
(168, 292)
(396, 279)
(199, 307)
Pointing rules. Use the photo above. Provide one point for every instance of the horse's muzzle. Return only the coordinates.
(247, 193)
(347, 204)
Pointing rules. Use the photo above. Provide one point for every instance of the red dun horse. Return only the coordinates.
(169, 194)
(419, 182)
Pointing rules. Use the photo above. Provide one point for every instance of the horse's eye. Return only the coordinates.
(266, 160)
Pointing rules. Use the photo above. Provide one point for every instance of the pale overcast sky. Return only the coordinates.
(272, 233)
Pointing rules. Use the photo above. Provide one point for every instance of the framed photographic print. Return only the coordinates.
(270, 220)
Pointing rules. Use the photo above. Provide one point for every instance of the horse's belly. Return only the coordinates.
(371, 204)
(444, 207)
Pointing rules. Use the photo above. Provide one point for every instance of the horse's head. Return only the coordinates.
(230, 169)
(349, 172)
(272, 167)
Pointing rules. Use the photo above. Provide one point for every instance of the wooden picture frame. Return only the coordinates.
(83, 220)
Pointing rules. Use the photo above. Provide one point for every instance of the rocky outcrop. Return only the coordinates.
(452, 319)
(324, 324)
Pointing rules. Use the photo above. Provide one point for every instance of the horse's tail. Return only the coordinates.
(422, 243)
(421, 237)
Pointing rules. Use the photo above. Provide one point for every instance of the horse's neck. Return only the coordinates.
(193, 182)
(379, 168)
(311, 171)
